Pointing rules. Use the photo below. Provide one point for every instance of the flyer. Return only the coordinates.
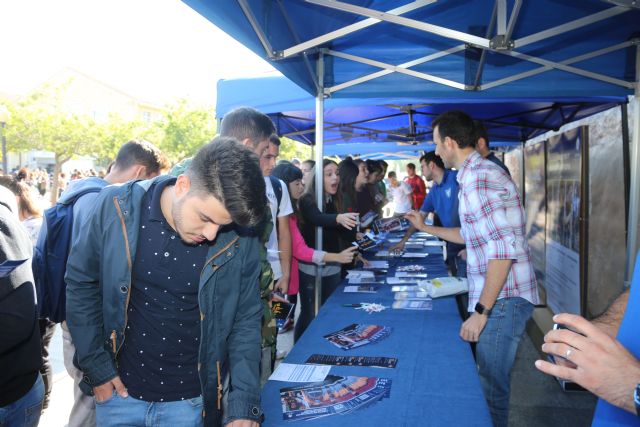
(377, 265)
(413, 305)
(294, 373)
(390, 224)
(334, 395)
(361, 289)
(373, 361)
(357, 335)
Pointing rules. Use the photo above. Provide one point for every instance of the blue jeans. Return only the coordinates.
(24, 412)
(496, 352)
(120, 412)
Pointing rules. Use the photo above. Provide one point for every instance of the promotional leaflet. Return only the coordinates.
(368, 361)
(334, 395)
(357, 335)
(413, 305)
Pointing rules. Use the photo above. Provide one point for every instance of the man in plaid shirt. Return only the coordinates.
(502, 284)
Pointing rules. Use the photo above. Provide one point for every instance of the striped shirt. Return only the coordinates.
(493, 227)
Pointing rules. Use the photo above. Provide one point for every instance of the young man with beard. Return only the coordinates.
(162, 296)
(502, 284)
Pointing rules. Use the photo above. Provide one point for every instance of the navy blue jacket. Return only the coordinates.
(98, 288)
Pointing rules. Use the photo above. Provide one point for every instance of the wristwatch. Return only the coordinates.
(481, 309)
(636, 399)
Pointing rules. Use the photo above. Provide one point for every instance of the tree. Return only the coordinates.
(117, 131)
(37, 122)
(290, 149)
(185, 129)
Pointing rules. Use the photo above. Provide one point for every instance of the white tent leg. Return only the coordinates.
(319, 173)
(634, 187)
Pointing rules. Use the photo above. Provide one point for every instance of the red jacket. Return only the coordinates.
(419, 190)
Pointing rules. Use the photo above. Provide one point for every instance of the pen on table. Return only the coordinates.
(352, 305)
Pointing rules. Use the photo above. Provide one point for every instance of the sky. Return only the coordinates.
(155, 50)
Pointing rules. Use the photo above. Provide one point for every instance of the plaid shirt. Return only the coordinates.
(493, 227)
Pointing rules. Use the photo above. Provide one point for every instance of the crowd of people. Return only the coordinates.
(163, 283)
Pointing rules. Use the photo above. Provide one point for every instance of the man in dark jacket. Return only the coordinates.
(21, 385)
(164, 264)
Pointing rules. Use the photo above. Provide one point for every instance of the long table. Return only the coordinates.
(435, 382)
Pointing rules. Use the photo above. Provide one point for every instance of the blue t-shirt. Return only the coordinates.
(606, 414)
(443, 200)
(159, 358)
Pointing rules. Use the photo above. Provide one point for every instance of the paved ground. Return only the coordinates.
(536, 399)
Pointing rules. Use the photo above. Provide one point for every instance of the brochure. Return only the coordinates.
(377, 362)
(294, 373)
(413, 305)
(334, 395)
(386, 225)
(357, 335)
(361, 289)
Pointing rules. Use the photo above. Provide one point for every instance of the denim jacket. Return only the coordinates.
(99, 287)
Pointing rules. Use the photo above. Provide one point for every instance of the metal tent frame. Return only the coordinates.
(373, 48)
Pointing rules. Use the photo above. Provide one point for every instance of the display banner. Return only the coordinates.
(513, 162)
(564, 198)
(535, 206)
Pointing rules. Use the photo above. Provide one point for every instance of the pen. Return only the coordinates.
(352, 305)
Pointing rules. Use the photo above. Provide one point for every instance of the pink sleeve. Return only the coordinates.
(299, 248)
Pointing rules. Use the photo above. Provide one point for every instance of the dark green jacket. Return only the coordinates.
(99, 286)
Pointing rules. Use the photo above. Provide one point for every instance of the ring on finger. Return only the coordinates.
(568, 353)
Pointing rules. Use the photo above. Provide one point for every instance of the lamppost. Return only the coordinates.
(4, 118)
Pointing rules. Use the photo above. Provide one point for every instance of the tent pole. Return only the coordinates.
(634, 187)
(319, 173)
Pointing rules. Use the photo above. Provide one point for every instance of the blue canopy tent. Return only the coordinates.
(457, 50)
(397, 128)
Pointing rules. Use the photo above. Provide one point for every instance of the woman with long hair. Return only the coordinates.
(29, 212)
(353, 182)
(333, 224)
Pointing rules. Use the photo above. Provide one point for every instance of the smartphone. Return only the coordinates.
(558, 326)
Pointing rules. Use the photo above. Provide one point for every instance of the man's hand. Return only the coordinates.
(463, 254)
(472, 327)
(282, 284)
(416, 219)
(602, 365)
(398, 247)
(242, 423)
(105, 391)
(365, 262)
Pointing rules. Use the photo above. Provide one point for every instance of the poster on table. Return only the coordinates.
(564, 199)
(535, 206)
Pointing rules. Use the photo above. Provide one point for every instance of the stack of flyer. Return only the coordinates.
(334, 395)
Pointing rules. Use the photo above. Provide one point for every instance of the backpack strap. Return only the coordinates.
(277, 189)
(74, 199)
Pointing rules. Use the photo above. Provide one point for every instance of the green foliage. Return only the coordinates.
(290, 149)
(185, 129)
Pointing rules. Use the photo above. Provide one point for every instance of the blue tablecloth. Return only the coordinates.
(435, 382)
